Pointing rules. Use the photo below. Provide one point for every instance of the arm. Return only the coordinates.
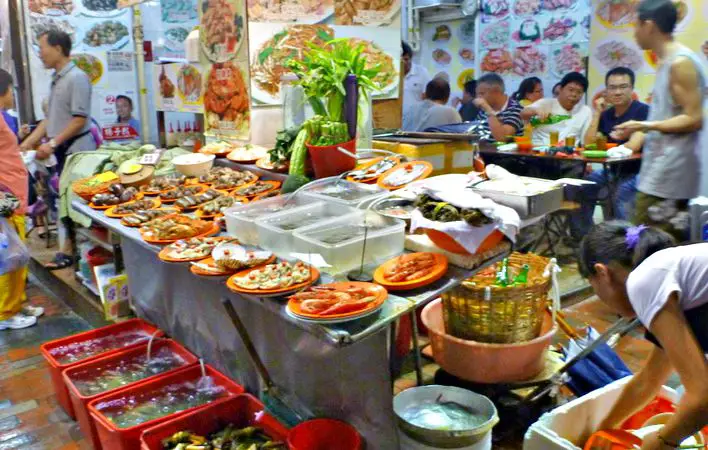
(685, 354)
(687, 94)
(34, 138)
(640, 390)
(529, 112)
(635, 142)
(598, 108)
(499, 129)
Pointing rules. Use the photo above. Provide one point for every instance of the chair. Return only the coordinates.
(554, 238)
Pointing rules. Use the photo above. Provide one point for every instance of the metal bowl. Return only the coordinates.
(433, 396)
(389, 202)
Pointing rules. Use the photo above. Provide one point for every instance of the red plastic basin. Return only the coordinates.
(324, 434)
(114, 438)
(241, 411)
(327, 161)
(82, 371)
(56, 367)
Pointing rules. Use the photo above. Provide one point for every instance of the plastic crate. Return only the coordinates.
(114, 438)
(56, 367)
(80, 402)
(241, 411)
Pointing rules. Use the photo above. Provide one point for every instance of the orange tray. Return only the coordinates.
(265, 164)
(210, 262)
(138, 196)
(212, 231)
(192, 208)
(439, 269)
(204, 187)
(163, 253)
(428, 170)
(109, 212)
(370, 163)
(172, 210)
(273, 185)
(314, 276)
(381, 296)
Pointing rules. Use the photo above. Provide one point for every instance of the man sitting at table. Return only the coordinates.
(499, 114)
(433, 111)
(619, 86)
(573, 87)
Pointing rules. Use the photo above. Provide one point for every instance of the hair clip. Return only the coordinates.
(631, 237)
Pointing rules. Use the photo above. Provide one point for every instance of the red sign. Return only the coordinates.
(119, 132)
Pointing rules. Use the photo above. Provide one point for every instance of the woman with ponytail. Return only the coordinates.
(640, 272)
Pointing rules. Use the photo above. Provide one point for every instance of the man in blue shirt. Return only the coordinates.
(619, 85)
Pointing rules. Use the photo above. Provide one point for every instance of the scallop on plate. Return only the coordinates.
(235, 257)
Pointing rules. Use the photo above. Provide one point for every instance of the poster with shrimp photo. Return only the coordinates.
(227, 102)
(272, 45)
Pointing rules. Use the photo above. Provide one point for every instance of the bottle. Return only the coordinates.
(170, 139)
(179, 136)
(477, 161)
(523, 275)
(503, 273)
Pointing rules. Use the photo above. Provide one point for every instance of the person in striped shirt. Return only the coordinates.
(499, 113)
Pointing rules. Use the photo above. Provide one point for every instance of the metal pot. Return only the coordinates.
(434, 395)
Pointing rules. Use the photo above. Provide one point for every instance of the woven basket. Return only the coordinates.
(481, 311)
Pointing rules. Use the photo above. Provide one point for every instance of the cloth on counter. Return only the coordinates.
(78, 165)
(453, 190)
(619, 152)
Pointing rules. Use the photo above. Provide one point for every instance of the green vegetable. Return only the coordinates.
(323, 132)
(298, 153)
(283, 141)
(595, 154)
(293, 183)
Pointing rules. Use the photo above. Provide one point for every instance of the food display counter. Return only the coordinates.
(340, 371)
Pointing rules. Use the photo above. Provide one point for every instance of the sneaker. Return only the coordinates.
(17, 322)
(32, 311)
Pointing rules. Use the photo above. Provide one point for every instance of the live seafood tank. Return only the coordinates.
(241, 219)
(97, 380)
(275, 232)
(341, 241)
(344, 192)
(79, 351)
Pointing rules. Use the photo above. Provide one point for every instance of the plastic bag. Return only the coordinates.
(13, 252)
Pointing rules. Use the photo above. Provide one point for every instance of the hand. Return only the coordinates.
(599, 104)
(542, 115)
(482, 104)
(456, 102)
(44, 151)
(652, 442)
(632, 125)
(24, 131)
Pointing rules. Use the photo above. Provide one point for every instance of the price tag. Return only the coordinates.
(151, 159)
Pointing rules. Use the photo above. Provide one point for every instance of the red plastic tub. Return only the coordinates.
(114, 438)
(324, 434)
(327, 161)
(56, 366)
(241, 411)
(95, 257)
(88, 370)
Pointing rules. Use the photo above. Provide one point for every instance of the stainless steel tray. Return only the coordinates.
(527, 205)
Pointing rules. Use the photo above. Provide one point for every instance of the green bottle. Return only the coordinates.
(550, 120)
(503, 273)
(523, 275)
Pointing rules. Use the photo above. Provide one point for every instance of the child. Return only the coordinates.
(638, 271)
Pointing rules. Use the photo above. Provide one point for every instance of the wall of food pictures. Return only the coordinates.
(102, 47)
(514, 38)
(613, 43)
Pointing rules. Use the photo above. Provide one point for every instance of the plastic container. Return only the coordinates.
(114, 438)
(241, 219)
(328, 161)
(568, 426)
(275, 232)
(89, 370)
(56, 367)
(242, 411)
(341, 241)
(486, 363)
(344, 192)
(324, 434)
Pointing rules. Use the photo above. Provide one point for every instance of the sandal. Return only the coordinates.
(60, 261)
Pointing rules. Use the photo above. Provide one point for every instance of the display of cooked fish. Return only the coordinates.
(192, 201)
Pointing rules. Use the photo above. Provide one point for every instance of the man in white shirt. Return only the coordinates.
(433, 110)
(573, 87)
(414, 83)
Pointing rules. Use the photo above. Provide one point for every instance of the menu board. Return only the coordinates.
(102, 47)
(613, 41)
(280, 30)
(224, 54)
(529, 38)
(179, 18)
(179, 87)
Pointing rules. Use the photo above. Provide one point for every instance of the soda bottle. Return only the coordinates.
(503, 273)
(523, 275)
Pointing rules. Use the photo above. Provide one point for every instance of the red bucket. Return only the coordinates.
(327, 161)
(114, 438)
(56, 367)
(82, 371)
(240, 411)
(324, 434)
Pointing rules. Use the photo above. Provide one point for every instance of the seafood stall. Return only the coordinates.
(298, 269)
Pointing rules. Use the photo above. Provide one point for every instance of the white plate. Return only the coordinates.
(332, 321)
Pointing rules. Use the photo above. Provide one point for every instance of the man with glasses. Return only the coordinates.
(619, 87)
